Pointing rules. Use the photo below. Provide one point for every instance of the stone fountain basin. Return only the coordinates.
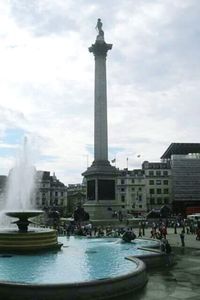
(24, 214)
(90, 290)
(23, 217)
(72, 274)
(35, 240)
(25, 241)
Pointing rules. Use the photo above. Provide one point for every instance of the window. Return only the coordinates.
(122, 198)
(56, 193)
(158, 191)
(133, 180)
(61, 194)
(133, 189)
(151, 182)
(158, 173)
(158, 182)
(151, 191)
(122, 189)
(150, 173)
(166, 200)
(140, 206)
(159, 200)
(165, 182)
(139, 188)
(166, 191)
(123, 206)
(152, 201)
(139, 197)
(165, 173)
(122, 181)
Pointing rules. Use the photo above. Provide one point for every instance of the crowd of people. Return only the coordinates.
(90, 230)
(158, 229)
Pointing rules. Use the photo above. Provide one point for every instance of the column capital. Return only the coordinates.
(100, 48)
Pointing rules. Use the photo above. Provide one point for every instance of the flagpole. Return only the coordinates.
(127, 163)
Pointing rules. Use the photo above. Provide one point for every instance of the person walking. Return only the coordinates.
(143, 227)
(175, 227)
(140, 232)
(198, 235)
(182, 236)
(168, 251)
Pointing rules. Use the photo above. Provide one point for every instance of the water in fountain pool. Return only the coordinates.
(80, 260)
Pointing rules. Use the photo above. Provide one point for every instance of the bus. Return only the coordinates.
(194, 217)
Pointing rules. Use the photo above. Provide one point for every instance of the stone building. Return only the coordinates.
(157, 184)
(131, 192)
(50, 193)
(76, 194)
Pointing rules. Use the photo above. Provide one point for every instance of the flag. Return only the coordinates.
(138, 155)
(113, 160)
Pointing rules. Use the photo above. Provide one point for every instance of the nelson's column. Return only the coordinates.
(100, 176)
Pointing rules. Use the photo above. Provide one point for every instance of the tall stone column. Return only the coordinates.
(99, 49)
(100, 176)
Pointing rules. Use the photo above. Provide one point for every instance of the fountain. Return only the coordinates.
(23, 217)
(19, 205)
(81, 270)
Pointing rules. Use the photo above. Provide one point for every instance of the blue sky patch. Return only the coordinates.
(13, 136)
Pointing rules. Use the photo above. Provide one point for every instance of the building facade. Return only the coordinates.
(131, 192)
(186, 182)
(184, 159)
(76, 195)
(50, 193)
(157, 184)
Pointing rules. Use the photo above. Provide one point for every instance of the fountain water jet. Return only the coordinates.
(19, 205)
(21, 181)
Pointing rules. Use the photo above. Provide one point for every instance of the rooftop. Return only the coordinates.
(181, 148)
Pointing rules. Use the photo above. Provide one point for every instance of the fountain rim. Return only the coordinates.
(141, 267)
(20, 213)
(94, 289)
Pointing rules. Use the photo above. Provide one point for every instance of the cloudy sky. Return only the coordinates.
(47, 80)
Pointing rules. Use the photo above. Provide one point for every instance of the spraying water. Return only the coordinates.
(21, 181)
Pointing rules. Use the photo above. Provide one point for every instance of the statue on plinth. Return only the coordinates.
(99, 25)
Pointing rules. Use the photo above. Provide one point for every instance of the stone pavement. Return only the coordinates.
(180, 282)
(174, 239)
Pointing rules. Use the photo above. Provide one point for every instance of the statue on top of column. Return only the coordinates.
(99, 28)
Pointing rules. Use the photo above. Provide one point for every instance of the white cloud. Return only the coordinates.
(47, 78)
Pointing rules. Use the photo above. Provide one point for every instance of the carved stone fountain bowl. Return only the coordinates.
(24, 214)
(26, 240)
